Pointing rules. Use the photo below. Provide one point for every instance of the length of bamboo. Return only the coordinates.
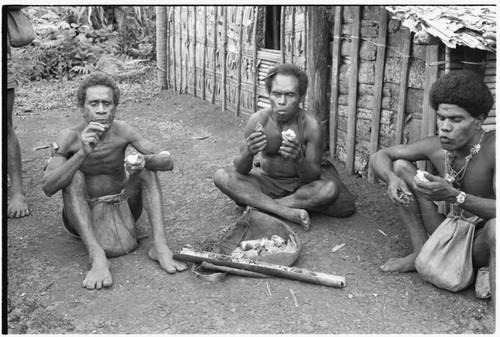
(293, 273)
(255, 61)
(214, 83)
(292, 35)
(161, 25)
(204, 56)
(181, 51)
(173, 48)
(379, 86)
(334, 97)
(282, 34)
(240, 60)
(353, 94)
(195, 77)
(168, 47)
(403, 86)
(224, 59)
(306, 37)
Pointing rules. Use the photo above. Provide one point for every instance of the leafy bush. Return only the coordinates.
(72, 41)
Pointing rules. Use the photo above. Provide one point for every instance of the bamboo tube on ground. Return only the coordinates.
(353, 86)
(293, 273)
(379, 86)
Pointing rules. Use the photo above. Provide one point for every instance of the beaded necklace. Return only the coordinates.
(452, 176)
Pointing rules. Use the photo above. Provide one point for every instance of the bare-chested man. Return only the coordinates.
(463, 155)
(88, 166)
(290, 180)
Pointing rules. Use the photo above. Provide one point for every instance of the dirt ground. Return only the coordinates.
(46, 266)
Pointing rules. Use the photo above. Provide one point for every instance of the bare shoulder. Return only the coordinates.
(124, 130)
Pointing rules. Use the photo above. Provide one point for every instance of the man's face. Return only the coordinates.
(99, 105)
(284, 96)
(456, 126)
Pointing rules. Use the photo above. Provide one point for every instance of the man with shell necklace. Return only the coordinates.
(290, 179)
(463, 156)
(104, 191)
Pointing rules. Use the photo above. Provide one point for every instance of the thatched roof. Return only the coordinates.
(453, 25)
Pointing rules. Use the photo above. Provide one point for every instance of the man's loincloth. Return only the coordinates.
(113, 224)
(275, 187)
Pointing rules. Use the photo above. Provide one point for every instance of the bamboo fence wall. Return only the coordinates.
(378, 84)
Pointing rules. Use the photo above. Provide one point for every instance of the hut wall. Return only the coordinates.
(379, 78)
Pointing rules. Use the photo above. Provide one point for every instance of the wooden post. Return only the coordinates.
(353, 88)
(161, 40)
(195, 78)
(334, 97)
(204, 56)
(255, 61)
(181, 51)
(306, 37)
(292, 36)
(168, 44)
(214, 84)
(318, 54)
(282, 34)
(224, 59)
(240, 57)
(378, 87)
(403, 86)
(173, 48)
(447, 58)
(428, 113)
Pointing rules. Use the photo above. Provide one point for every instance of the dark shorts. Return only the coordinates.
(274, 187)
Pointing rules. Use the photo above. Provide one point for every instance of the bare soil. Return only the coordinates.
(46, 266)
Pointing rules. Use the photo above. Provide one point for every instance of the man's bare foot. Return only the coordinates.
(98, 276)
(300, 217)
(18, 207)
(402, 264)
(166, 260)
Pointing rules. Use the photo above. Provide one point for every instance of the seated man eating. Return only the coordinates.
(290, 180)
(103, 194)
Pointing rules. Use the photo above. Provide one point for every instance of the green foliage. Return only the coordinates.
(76, 40)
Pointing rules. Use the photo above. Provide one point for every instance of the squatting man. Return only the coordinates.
(463, 155)
(88, 165)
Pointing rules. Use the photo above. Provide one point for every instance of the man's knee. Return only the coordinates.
(490, 232)
(221, 178)
(403, 167)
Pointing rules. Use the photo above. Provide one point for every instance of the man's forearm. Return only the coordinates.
(481, 207)
(306, 171)
(244, 162)
(60, 177)
(159, 162)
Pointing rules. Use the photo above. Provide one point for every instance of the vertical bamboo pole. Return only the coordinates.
(334, 97)
(353, 86)
(187, 46)
(428, 127)
(255, 61)
(214, 86)
(168, 47)
(292, 36)
(224, 60)
(195, 77)
(240, 57)
(173, 47)
(181, 51)
(282, 34)
(161, 40)
(447, 58)
(306, 37)
(379, 86)
(204, 56)
(403, 86)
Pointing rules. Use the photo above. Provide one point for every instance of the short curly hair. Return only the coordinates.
(464, 88)
(94, 79)
(289, 70)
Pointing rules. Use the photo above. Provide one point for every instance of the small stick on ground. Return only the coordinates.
(268, 290)
(294, 298)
